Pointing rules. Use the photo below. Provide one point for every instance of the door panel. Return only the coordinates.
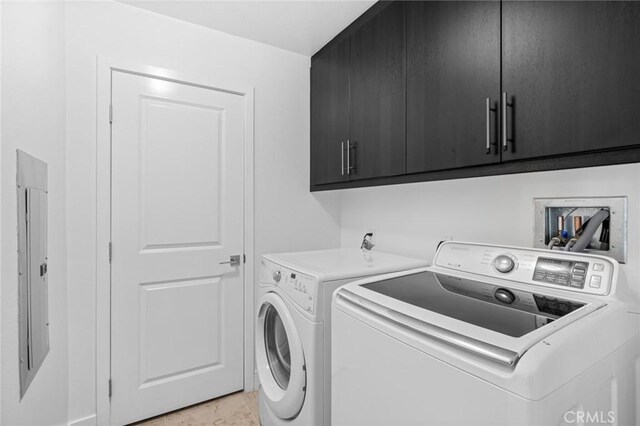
(177, 212)
(453, 65)
(569, 73)
(377, 95)
(198, 304)
(329, 114)
(194, 220)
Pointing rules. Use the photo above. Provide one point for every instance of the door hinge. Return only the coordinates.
(244, 258)
(110, 251)
(110, 113)
(110, 388)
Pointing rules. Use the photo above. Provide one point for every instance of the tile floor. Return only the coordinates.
(237, 409)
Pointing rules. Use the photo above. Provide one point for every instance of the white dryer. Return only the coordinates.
(488, 335)
(293, 351)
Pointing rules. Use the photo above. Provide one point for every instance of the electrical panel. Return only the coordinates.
(32, 267)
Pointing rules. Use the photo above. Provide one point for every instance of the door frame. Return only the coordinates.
(104, 67)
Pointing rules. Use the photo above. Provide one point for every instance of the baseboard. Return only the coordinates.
(256, 380)
(85, 421)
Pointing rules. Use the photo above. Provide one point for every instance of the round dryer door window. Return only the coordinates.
(277, 347)
(280, 357)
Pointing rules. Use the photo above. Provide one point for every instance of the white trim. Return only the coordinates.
(249, 235)
(85, 421)
(103, 216)
(1, 211)
(103, 226)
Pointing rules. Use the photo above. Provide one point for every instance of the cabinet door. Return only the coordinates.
(571, 71)
(453, 66)
(330, 114)
(378, 72)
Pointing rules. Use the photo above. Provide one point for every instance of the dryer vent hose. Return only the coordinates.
(589, 229)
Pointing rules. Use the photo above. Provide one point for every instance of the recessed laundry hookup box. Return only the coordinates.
(595, 225)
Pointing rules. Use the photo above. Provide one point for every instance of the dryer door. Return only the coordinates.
(280, 357)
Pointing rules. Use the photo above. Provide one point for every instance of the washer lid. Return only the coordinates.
(280, 357)
(343, 263)
(495, 320)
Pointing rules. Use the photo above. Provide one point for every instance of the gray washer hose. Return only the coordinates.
(590, 230)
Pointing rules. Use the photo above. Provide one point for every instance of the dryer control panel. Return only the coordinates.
(577, 272)
(301, 288)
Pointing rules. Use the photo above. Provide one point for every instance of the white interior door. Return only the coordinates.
(177, 213)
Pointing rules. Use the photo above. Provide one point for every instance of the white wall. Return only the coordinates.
(33, 109)
(411, 219)
(1, 206)
(287, 216)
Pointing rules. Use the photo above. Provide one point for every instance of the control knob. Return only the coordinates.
(277, 275)
(505, 296)
(503, 263)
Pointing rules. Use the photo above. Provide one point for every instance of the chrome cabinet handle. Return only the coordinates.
(348, 157)
(488, 136)
(505, 105)
(350, 146)
(504, 121)
(488, 125)
(342, 158)
(234, 260)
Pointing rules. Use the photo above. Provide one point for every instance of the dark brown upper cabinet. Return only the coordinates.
(453, 84)
(416, 91)
(330, 114)
(377, 95)
(571, 74)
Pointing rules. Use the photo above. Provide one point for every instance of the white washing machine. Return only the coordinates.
(488, 335)
(293, 351)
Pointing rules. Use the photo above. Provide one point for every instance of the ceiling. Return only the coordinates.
(300, 26)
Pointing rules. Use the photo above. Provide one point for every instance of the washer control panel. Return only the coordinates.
(299, 287)
(504, 263)
(578, 272)
(561, 272)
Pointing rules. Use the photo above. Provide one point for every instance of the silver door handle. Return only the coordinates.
(234, 260)
(342, 157)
